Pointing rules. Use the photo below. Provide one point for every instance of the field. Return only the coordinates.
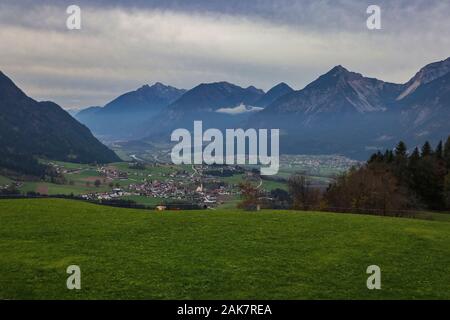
(221, 254)
(81, 181)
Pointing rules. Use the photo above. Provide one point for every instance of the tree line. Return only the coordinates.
(391, 183)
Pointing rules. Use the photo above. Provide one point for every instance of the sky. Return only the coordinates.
(123, 45)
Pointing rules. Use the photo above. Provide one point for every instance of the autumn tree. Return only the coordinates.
(250, 196)
(304, 197)
(370, 189)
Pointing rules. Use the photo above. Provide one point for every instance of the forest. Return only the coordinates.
(396, 182)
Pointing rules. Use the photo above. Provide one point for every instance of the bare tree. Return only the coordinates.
(304, 197)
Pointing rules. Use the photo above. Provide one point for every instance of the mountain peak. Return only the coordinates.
(157, 86)
(273, 94)
(338, 70)
(144, 87)
(282, 86)
(160, 85)
(337, 92)
(8, 88)
(425, 75)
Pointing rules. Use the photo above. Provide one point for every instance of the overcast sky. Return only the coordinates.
(125, 44)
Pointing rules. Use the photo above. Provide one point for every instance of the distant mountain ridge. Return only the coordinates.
(340, 112)
(118, 117)
(218, 105)
(30, 129)
(427, 74)
(339, 90)
(273, 94)
(345, 112)
(426, 111)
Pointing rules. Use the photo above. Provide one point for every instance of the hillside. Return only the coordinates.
(134, 254)
(426, 111)
(31, 129)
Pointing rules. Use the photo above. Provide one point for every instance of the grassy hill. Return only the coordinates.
(215, 254)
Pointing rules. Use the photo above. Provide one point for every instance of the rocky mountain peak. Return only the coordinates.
(425, 75)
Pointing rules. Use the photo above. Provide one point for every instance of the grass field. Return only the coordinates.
(147, 201)
(224, 254)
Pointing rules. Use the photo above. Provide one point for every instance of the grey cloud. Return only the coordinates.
(124, 44)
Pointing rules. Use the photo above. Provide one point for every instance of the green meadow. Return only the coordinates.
(216, 254)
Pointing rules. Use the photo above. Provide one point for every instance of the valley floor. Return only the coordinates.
(222, 254)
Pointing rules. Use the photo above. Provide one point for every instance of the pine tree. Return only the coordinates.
(447, 152)
(447, 191)
(439, 151)
(415, 156)
(413, 167)
(426, 149)
(400, 150)
(376, 157)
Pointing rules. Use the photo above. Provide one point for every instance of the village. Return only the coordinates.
(179, 186)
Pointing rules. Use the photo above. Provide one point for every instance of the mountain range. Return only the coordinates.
(159, 109)
(345, 112)
(118, 118)
(340, 112)
(30, 129)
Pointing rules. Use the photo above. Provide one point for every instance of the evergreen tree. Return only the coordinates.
(400, 150)
(447, 152)
(415, 156)
(413, 167)
(388, 156)
(447, 191)
(376, 157)
(439, 153)
(426, 149)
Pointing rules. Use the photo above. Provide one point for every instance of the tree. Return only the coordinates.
(447, 152)
(447, 191)
(415, 156)
(388, 156)
(400, 167)
(400, 150)
(426, 149)
(250, 196)
(280, 199)
(304, 197)
(369, 189)
(429, 182)
(439, 153)
(376, 157)
(413, 167)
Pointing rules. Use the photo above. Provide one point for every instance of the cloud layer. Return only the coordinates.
(121, 47)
